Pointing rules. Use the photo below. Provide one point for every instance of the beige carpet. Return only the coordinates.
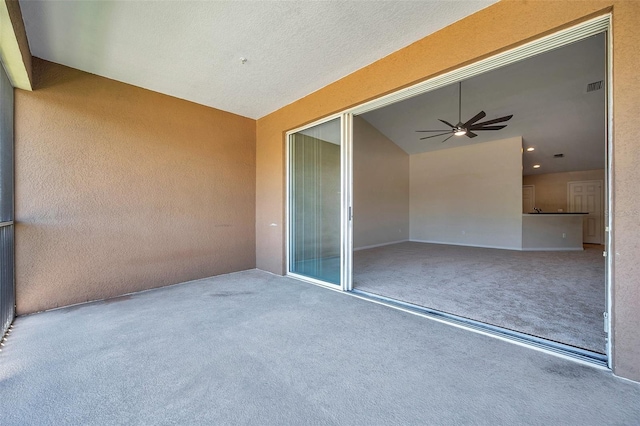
(558, 296)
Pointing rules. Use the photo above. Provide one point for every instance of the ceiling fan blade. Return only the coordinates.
(433, 131)
(435, 136)
(495, 120)
(447, 139)
(475, 118)
(447, 123)
(487, 127)
(470, 134)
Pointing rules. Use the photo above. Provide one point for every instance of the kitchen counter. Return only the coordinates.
(552, 213)
(552, 231)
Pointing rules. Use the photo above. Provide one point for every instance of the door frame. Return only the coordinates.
(597, 25)
(591, 27)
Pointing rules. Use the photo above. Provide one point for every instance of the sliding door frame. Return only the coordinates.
(594, 26)
(598, 25)
(346, 207)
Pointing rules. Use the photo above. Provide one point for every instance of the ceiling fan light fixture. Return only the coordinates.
(468, 128)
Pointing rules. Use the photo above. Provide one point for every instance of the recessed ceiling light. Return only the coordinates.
(531, 149)
(536, 166)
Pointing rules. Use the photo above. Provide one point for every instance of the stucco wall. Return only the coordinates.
(380, 188)
(496, 28)
(120, 189)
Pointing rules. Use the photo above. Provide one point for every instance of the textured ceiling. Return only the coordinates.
(192, 50)
(547, 95)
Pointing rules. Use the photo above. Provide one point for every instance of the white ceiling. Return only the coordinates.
(192, 50)
(547, 96)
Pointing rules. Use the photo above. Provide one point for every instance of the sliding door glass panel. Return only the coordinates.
(314, 189)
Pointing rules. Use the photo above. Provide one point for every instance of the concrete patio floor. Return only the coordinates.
(254, 348)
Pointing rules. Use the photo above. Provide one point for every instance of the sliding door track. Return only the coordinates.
(515, 336)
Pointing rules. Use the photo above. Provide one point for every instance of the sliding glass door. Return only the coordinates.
(316, 204)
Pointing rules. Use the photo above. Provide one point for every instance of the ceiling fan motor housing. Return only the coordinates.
(471, 126)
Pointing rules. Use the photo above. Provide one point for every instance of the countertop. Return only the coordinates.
(554, 214)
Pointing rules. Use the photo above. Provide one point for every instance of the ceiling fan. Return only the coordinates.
(468, 128)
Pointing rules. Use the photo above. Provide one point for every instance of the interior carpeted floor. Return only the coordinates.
(254, 348)
(555, 295)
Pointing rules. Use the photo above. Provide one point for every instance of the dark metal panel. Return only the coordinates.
(7, 288)
(7, 281)
(6, 148)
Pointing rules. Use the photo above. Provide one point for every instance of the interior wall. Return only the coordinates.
(551, 188)
(120, 189)
(469, 195)
(380, 188)
(499, 27)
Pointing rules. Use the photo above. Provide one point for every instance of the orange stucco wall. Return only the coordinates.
(494, 29)
(120, 189)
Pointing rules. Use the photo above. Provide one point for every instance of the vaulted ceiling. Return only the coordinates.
(547, 94)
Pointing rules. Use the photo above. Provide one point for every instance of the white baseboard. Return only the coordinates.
(380, 245)
(466, 245)
(500, 247)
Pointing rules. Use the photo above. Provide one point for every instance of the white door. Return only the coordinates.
(528, 198)
(586, 196)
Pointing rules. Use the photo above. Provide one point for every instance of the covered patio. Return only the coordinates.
(255, 348)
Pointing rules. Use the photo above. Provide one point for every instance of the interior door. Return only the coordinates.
(528, 198)
(586, 196)
(315, 203)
